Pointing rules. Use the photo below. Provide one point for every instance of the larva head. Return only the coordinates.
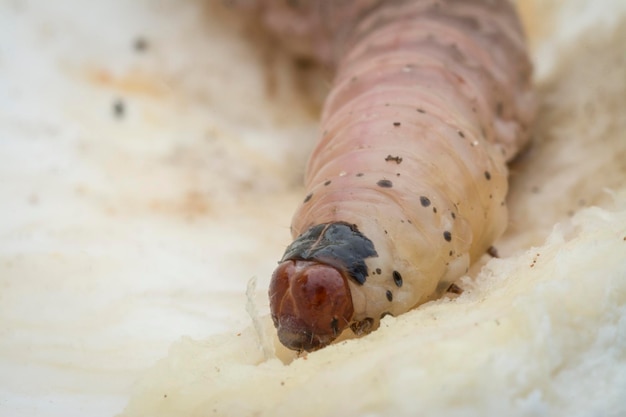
(310, 304)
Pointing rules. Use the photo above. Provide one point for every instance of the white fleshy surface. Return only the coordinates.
(122, 235)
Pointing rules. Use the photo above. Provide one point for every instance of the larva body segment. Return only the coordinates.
(430, 100)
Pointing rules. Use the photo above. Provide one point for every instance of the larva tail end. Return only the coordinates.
(310, 304)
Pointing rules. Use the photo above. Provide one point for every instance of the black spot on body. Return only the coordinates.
(339, 244)
(493, 252)
(378, 271)
(360, 174)
(384, 183)
(396, 124)
(488, 175)
(389, 295)
(424, 201)
(397, 278)
(455, 289)
(308, 197)
(396, 159)
(327, 183)
(461, 134)
(447, 236)
(421, 111)
(453, 215)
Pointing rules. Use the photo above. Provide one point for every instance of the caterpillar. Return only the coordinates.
(406, 186)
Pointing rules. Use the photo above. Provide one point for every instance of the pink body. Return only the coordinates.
(430, 100)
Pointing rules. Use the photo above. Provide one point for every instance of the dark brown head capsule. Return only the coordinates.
(310, 303)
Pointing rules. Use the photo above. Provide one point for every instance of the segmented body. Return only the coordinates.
(430, 100)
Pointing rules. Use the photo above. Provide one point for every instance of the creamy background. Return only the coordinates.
(122, 234)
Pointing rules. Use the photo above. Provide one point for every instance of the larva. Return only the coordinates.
(407, 185)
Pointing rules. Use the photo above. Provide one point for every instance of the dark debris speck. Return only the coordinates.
(119, 108)
(140, 44)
